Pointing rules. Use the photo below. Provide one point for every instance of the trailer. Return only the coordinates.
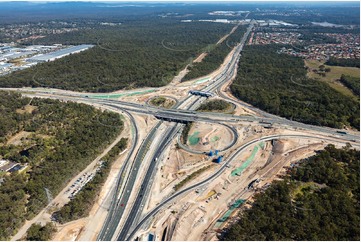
(265, 122)
(251, 184)
(200, 93)
(341, 132)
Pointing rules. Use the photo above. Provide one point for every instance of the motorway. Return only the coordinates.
(217, 173)
(168, 135)
(114, 207)
(116, 212)
(129, 172)
(192, 116)
(172, 130)
(124, 217)
(127, 232)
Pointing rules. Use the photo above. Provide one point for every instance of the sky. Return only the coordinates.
(177, 1)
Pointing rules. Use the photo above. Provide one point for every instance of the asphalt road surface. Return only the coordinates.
(183, 111)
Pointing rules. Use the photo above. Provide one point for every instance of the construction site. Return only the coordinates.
(204, 212)
(237, 160)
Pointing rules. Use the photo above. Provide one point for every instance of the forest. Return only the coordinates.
(36, 232)
(81, 205)
(215, 56)
(352, 83)
(343, 62)
(277, 83)
(318, 201)
(338, 13)
(57, 141)
(134, 54)
(185, 132)
(214, 105)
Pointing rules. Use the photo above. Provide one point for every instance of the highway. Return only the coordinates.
(172, 130)
(124, 216)
(114, 207)
(131, 169)
(122, 199)
(140, 196)
(137, 208)
(217, 173)
(193, 116)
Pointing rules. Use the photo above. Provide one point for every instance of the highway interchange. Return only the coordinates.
(125, 216)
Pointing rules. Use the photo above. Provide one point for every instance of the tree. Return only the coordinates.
(317, 201)
(41, 233)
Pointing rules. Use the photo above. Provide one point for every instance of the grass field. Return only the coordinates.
(333, 76)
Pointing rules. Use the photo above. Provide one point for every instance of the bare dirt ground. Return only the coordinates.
(226, 36)
(239, 110)
(251, 39)
(16, 139)
(70, 231)
(173, 169)
(211, 75)
(176, 80)
(194, 215)
(200, 57)
(26, 109)
(210, 136)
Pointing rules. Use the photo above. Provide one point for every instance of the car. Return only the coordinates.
(122, 205)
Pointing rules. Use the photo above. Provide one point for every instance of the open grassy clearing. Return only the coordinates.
(278, 84)
(332, 77)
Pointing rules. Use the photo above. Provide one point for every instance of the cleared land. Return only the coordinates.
(277, 83)
(200, 214)
(206, 137)
(332, 77)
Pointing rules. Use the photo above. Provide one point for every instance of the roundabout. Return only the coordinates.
(204, 137)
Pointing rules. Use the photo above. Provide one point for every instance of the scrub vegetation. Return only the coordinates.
(63, 138)
(82, 203)
(277, 83)
(214, 105)
(319, 200)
